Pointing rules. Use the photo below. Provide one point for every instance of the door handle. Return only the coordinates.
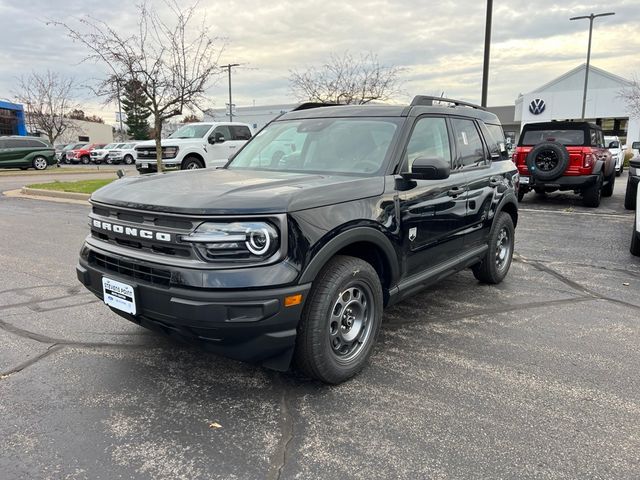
(455, 191)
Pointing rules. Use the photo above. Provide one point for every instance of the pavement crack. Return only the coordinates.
(281, 454)
(52, 349)
(32, 303)
(567, 281)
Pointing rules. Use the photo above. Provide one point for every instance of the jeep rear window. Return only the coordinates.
(565, 137)
(320, 145)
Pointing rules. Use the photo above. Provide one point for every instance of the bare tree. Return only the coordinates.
(47, 99)
(631, 95)
(173, 62)
(347, 79)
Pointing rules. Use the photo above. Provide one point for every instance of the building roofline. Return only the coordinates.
(582, 66)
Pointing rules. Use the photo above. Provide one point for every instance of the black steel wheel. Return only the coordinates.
(497, 260)
(340, 321)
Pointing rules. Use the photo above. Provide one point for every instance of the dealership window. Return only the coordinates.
(82, 138)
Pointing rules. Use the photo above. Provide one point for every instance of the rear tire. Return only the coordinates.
(497, 261)
(340, 321)
(607, 190)
(540, 192)
(521, 194)
(40, 163)
(630, 195)
(191, 163)
(592, 195)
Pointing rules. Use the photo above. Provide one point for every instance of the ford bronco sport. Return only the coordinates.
(293, 254)
(565, 156)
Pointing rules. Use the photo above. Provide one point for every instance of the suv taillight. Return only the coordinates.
(588, 159)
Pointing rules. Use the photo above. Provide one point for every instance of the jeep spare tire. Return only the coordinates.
(547, 161)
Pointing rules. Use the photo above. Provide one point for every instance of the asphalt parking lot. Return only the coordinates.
(533, 378)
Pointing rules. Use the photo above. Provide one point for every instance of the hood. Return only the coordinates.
(172, 142)
(235, 192)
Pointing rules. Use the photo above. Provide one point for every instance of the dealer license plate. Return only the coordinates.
(524, 180)
(119, 295)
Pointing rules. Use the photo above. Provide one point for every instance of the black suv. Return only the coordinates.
(291, 251)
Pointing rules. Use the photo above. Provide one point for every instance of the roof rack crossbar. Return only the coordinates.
(427, 100)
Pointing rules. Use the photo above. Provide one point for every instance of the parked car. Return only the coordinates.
(193, 146)
(617, 152)
(296, 259)
(563, 156)
(99, 155)
(83, 154)
(26, 152)
(123, 153)
(69, 148)
(58, 149)
(633, 180)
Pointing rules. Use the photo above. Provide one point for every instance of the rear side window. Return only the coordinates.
(224, 131)
(565, 137)
(496, 141)
(470, 148)
(34, 144)
(240, 132)
(15, 143)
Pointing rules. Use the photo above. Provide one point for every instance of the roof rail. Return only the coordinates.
(309, 105)
(428, 101)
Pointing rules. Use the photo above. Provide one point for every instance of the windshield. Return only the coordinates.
(111, 145)
(565, 137)
(191, 131)
(320, 145)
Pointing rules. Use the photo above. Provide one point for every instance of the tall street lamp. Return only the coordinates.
(487, 44)
(228, 68)
(591, 18)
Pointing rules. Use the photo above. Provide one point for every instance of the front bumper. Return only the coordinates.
(250, 325)
(151, 166)
(568, 182)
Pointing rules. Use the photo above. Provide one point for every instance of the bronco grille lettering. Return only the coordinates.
(130, 231)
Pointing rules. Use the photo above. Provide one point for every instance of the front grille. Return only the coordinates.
(155, 276)
(153, 221)
(145, 153)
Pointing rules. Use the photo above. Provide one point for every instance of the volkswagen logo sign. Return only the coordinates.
(537, 106)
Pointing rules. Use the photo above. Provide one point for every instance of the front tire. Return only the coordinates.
(630, 195)
(86, 160)
(340, 321)
(635, 242)
(497, 261)
(128, 160)
(40, 163)
(191, 163)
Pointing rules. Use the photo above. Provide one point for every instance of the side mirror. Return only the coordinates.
(635, 145)
(429, 169)
(614, 144)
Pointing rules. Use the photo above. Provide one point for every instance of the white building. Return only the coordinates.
(256, 116)
(81, 131)
(561, 99)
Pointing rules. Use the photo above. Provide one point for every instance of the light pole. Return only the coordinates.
(591, 18)
(228, 69)
(487, 44)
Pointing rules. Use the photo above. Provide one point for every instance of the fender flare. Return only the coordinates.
(344, 239)
(511, 201)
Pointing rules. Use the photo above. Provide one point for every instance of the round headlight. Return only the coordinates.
(258, 241)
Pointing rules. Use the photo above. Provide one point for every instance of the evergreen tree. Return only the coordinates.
(135, 105)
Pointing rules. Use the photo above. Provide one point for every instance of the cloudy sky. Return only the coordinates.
(439, 44)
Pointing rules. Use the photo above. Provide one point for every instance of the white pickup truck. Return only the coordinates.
(195, 145)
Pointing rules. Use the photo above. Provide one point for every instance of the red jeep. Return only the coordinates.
(554, 156)
(82, 155)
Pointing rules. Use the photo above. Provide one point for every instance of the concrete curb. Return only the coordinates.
(38, 192)
(60, 171)
(46, 196)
